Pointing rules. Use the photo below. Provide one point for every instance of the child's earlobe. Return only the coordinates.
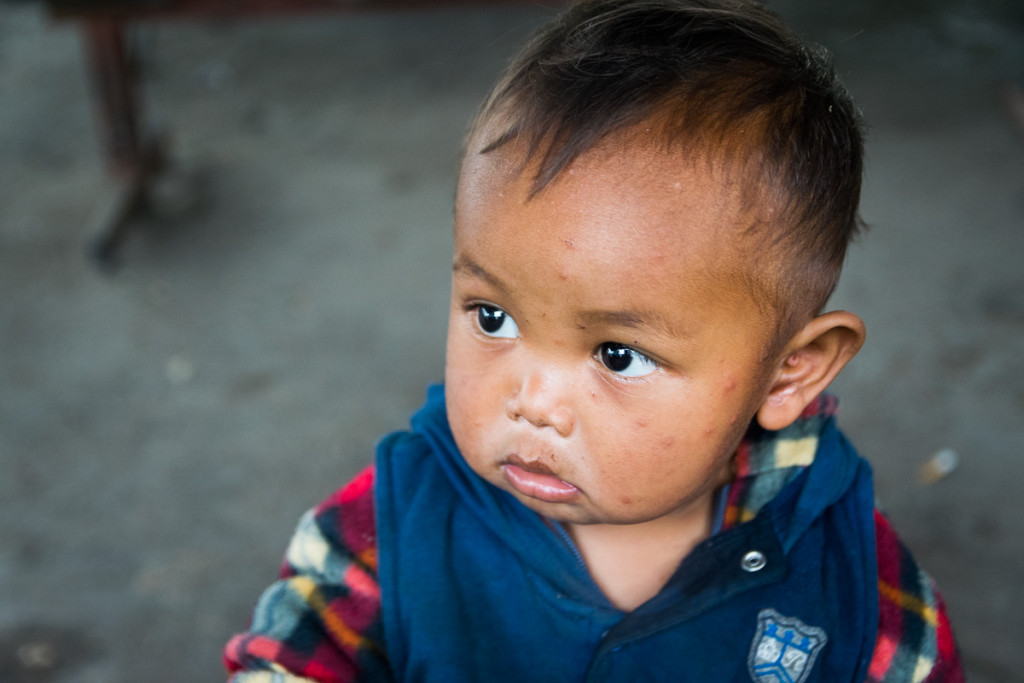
(810, 362)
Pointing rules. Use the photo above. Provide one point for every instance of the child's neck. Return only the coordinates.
(632, 562)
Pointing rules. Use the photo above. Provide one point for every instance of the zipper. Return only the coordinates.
(563, 534)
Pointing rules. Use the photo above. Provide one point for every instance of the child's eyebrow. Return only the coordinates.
(466, 264)
(627, 318)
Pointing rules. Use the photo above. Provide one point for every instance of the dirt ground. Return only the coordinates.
(162, 426)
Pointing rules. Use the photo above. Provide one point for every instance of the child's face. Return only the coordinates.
(604, 356)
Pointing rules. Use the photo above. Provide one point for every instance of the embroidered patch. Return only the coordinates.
(783, 649)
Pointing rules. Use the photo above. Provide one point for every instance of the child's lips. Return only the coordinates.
(537, 480)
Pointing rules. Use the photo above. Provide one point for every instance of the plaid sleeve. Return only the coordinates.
(321, 620)
(915, 641)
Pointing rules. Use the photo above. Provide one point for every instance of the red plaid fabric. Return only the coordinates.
(321, 620)
(915, 641)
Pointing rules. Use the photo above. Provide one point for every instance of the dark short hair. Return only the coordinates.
(724, 75)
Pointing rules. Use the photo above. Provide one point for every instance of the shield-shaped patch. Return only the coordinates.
(783, 649)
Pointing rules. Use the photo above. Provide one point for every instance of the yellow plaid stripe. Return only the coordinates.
(341, 631)
(795, 452)
(909, 603)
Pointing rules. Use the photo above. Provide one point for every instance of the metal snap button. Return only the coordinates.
(754, 561)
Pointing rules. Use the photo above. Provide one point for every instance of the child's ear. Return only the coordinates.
(811, 360)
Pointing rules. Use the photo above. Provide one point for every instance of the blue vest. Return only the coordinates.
(476, 587)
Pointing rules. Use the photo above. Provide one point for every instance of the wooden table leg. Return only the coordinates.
(131, 156)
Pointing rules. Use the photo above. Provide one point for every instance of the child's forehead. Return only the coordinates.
(613, 212)
(654, 193)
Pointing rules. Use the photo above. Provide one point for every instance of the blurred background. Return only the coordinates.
(282, 304)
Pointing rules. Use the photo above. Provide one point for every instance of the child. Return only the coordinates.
(631, 473)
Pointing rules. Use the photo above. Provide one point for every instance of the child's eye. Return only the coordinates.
(625, 361)
(495, 322)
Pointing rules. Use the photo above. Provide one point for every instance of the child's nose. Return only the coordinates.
(542, 400)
